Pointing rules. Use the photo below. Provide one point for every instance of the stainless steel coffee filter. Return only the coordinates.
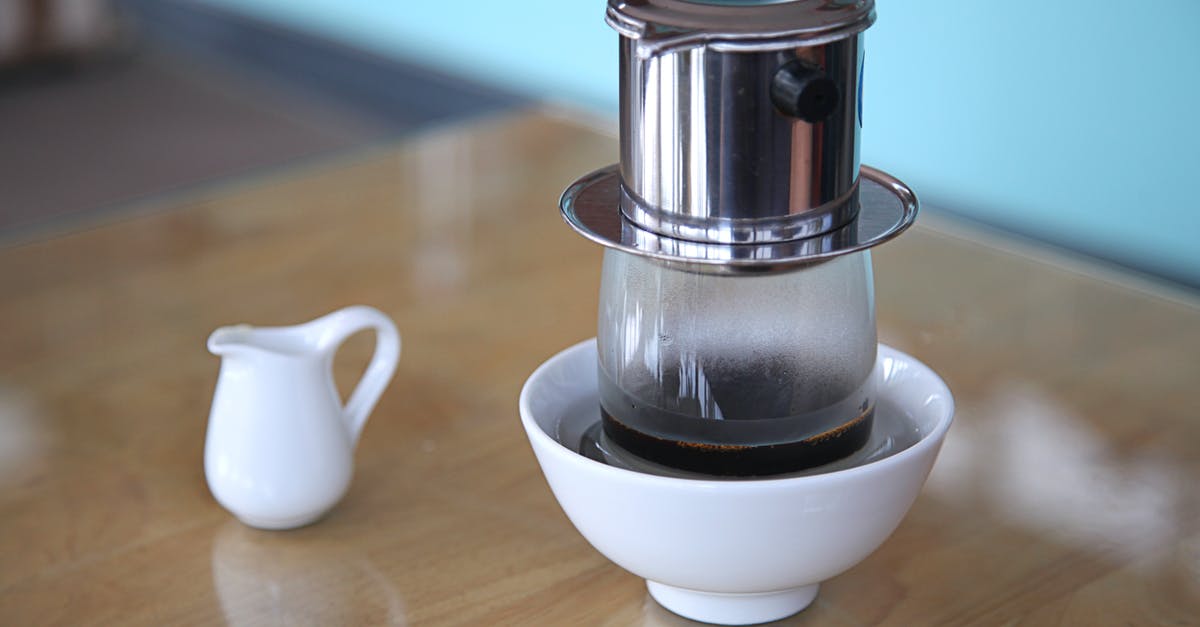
(739, 131)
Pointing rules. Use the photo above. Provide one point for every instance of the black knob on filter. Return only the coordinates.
(802, 91)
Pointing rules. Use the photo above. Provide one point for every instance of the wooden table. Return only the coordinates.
(1065, 494)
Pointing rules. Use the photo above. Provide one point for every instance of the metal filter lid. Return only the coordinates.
(739, 137)
(739, 25)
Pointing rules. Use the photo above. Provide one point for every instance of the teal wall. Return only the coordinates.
(1072, 120)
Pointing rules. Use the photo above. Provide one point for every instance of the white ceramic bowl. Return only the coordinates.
(734, 552)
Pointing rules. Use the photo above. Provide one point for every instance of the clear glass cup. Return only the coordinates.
(737, 374)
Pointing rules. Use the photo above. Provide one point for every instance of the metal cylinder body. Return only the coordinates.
(705, 156)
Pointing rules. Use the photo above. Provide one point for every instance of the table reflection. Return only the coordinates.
(1034, 462)
(22, 435)
(292, 578)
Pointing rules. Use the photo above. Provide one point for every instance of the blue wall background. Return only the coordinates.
(1075, 121)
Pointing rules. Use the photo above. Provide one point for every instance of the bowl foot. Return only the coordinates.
(732, 609)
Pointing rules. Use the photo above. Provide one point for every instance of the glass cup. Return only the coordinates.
(737, 374)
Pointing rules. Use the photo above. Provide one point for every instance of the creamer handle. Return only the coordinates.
(339, 326)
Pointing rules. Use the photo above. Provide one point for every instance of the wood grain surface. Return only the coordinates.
(1065, 494)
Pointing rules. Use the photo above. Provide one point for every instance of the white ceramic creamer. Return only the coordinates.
(280, 446)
